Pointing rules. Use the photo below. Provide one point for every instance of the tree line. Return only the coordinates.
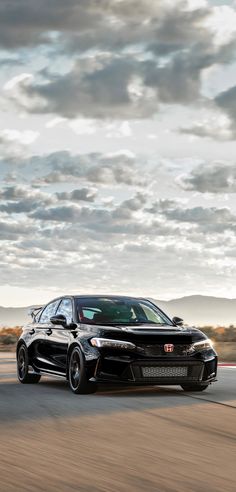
(9, 336)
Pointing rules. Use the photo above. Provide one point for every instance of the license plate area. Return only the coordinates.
(164, 371)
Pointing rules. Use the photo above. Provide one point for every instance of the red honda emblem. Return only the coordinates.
(169, 347)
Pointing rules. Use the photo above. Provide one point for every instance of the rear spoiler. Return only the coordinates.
(34, 310)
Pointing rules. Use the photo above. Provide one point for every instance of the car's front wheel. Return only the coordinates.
(23, 367)
(78, 380)
(194, 387)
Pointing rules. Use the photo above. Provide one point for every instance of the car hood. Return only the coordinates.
(150, 333)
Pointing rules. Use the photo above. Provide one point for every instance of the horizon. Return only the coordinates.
(105, 294)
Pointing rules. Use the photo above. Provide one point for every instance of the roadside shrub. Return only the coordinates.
(8, 339)
(220, 333)
(9, 336)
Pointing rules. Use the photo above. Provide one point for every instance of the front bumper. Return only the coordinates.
(124, 369)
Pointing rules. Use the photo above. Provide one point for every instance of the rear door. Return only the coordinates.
(58, 338)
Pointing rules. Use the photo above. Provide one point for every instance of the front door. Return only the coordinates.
(57, 339)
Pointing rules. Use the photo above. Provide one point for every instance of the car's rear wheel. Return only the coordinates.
(23, 367)
(194, 387)
(78, 380)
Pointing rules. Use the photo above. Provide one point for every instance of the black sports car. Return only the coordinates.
(92, 339)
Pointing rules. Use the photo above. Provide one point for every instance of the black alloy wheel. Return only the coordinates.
(23, 367)
(194, 387)
(78, 381)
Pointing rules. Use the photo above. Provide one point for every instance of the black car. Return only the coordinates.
(93, 339)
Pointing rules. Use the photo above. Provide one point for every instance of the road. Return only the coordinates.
(118, 440)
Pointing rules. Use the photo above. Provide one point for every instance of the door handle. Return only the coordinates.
(31, 332)
(48, 331)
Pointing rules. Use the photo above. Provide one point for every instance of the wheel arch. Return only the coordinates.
(19, 344)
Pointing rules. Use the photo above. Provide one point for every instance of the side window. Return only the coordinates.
(37, 316)
(65, 308)
(48, 311)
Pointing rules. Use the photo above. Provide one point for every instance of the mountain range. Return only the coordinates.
(195, 310)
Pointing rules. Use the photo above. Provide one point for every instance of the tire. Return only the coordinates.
(23, 367)
(194, 387)
(77, 377)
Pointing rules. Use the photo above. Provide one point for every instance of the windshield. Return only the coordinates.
(116, 311)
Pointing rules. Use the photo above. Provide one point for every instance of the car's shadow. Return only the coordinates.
(119, 390)
(52, 398)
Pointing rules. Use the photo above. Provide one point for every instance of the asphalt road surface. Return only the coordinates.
(156, 439)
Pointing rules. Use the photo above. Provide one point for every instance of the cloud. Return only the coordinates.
(226, 100)
(216, 177)
(14, 143)
(133, 61)
(92, 90)
(210, 220)
(99, 169)
(82, 22)
(118, 86)
(82, 194)
(29, 23)
(12, 230)
(25, 137)
(18, 200)
(118, 242)
(17, 79)
(217, 127)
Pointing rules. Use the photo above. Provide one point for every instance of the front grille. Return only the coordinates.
(147, 370)
(155, 350)
(164, 372)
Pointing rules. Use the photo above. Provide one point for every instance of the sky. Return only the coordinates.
(117, 148)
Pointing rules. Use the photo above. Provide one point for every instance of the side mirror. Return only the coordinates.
(59, 319)
(178, 321)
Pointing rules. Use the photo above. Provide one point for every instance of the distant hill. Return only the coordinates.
(197, 310)
(11, 316)
(202, 310)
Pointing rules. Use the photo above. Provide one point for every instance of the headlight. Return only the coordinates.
(199, 346)
(115, 344)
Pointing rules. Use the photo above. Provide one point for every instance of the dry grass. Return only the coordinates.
(224, 340)
(226, 351)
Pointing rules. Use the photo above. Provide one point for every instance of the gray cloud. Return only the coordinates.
(98, 90)
(100, 222)
(66, 213)
(227, 102)
(211, 220)
(216, 177)
(29, 23)
(125, 210)
(12, 231)
(93, 24)
(118, 86)
(18, 199)
(82, 194)
(211, 216)
(168, 48)
(98, 169)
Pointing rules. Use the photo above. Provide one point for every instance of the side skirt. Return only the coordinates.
(49, 373)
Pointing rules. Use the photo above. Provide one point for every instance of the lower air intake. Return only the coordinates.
(164, 372)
